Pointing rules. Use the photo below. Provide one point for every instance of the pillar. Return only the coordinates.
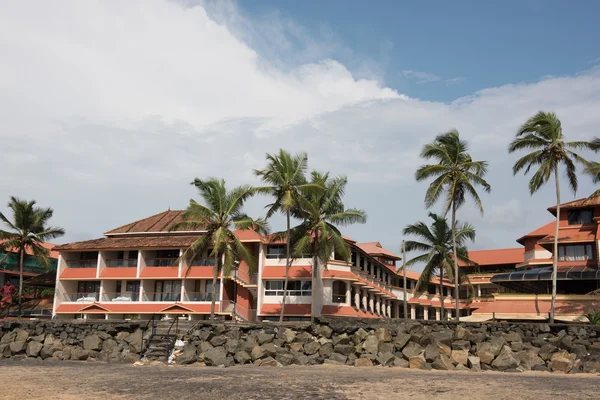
(478, 290)
(377, 305)
(365, 300)
(389, 309)
(438, 314)
(371, 303)
(357, 297)
(413, 312)
(425, 313)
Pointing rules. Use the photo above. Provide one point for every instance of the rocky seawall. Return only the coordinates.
(339, 341)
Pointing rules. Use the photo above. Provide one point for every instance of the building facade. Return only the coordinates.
(9, 265)
(135, 271)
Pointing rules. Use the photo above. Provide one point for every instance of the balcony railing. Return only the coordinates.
(82, 263)
(199, 296)
(122, 262)
(203, 262)
(125, 297)
(82, 297)
(162, 296)
(161, 262)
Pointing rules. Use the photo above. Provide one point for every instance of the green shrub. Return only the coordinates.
(594, 316)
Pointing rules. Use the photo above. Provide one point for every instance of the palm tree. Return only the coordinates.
(286, 180)
(455, 177)
(220, 214)
(26, 232)
(320, 212)
(592, 168)
(437, 242)
(543, 134)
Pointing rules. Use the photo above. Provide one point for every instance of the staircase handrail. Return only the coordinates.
(152, 333)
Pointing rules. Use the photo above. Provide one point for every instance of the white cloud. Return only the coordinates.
(420, 76)
(454, 81)
(109, 110)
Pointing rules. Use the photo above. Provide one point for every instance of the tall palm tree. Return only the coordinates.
(26, 232)
(436, 242)
(320, 212)
(543, 134)
(219, 216)
(455, 176)
(286, 180)
(592, 168)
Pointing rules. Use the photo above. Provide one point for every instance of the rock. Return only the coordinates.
(108, 345)
(285, 358)
(401, 341)
(324, 330)
(135, 341)
(516, 346)
(512, 337)
(311, 347)
(383, 335)
(363, 362)
(417, 362)
(561, 362)
(528, 359)
(385, 359)
(269, 362)
(218, 340)
(188, 356)
(431, 353)
(8, 337)
(505, 360)
(326, 350)
(446, 336)
(296, 347)
(494, 345)
(443, 363)
(122, 336)
(232, 346)
(288, 335)
(400, 362)
(79, 354)
(270, 349)
(460, 357)
(37, 338)
(591, 367)
(542, 368)
(17, 347)
(302, 359)
(443, 348)
(474, 363)
(359, 336)
(341, 339)
(92, 342)
(204, 347)
(217, 356)
(546, 351)
(5, 351)
(241, 357)
(337, 357)
(461, 333)
(22, 335)
(485, 357)
(411, 350)
(333, 362)
(345, 349)
(461, 345)
(258, 352)
(303, 337)
(263, 338)
(34, 348)
(460, 367)
(371, 345)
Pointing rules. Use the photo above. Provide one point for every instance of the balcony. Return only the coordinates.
(82, 297)
(122, 263)
(199, 296)
(122, 297)
(203, 262)
(162, 296)
(93, 263)
(161, 262)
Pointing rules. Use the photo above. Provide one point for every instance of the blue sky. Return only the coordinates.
(479, 44)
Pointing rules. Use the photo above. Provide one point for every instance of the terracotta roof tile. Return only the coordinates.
(130, 242)
(539, 232)
(50, 246)
(496, 256)
(375, 248)
(579, 203)
(570, 235)
(161, 222)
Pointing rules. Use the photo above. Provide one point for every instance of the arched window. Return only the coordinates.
(339, 292)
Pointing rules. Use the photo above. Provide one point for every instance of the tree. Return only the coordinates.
(437, 242)
(543, 134)
(26, 233)
(286, 180)
(321, 212)
(455, 176)
(592, 168)
(219, 216)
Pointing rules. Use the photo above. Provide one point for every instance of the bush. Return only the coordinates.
(594, 316)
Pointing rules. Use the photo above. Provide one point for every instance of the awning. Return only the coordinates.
(475, 318)
(545, 274)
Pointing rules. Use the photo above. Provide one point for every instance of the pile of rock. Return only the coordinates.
(110, 342)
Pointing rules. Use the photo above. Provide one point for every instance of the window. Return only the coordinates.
(353, 258)
(276, 251)
(581, 252)
(132, 288)
(431, 289)
(295, 288)
(579, 217)
(369, 268)
(88, 287)
(88, 255)
(167, 290)
(338, 294)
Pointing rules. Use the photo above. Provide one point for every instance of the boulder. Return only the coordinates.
(269, 362)
(232, 345)
(401, 341)
(288, 335)
(443, 348)
(400, 362)
(411, 350)
(8, 337)
(512, 337)
(383, 335)
(303, 337)
(371, 345)
(417, 362)
(461, 333)
(219, 340)
(528, 359)
(217, 356)
(547, 350)
(296, 347)
(22, 335)
(37, 338)
(341, 339)
(92, 342)
(337, 357)
(5, 351)
(264, 337)
(188, 356)
(79, 354)
(108, 345)
(460, 367)
(286, 358)
(494, 345)
(270, 349)
(505, 360)
(385, 359)
(345, 349)
(443, 363)
(311, 347)
(431, 353)
(460, 357)
(302, 359)
(258, 352)
(324, 331)
(591, 367)
(561, 364)
(241, 357)
(135, 341)
(485, 357)
(326, 350)
(34, 348)
(17, 347)
(461, 345)
(474, 363)
(363, 362)
(445, 336)
(359, 336)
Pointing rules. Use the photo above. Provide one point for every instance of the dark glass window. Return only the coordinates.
(579, 217)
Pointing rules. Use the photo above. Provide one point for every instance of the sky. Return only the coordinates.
(108, 110)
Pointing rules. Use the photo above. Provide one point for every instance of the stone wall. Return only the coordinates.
(360, 343)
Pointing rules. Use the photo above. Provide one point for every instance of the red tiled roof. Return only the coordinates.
(346, 311)
(496, 256)
(579, 203)
(290, 309)
(375, 248)
(78, 273)
(248, 235)
(343, 275)
(161, 222)
(131, 242)
(295, 272)
(570, 235)
(108, 273)
(50, 246)
(545, 230)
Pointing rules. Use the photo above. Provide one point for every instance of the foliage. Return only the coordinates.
(593, 316)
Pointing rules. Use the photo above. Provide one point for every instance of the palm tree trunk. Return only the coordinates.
(442, 311)
(555, 258)
(214, 286)
(456, 288)
(21, 257)
(404, 281)
(287, 266)
(314, 277)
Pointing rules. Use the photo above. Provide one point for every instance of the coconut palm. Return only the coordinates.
(543, 134)
(592, 168)
(436, 242)
(321, 211)
(219, 216)
(26, 233)
(455, 176)
(286, 180)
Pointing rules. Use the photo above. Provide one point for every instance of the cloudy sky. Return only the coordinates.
(108, 109)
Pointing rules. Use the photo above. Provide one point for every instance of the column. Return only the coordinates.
(426, 313)
(438, 314)
(348, 294)
(357, 297)
(365, 300)
(377, 305)
(478, 290)
(389, 309)
(371, 303)
(413, 312)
